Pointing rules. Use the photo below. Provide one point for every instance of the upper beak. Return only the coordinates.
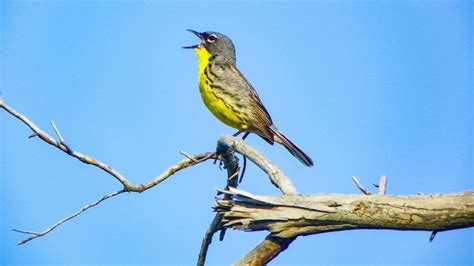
(199, 35)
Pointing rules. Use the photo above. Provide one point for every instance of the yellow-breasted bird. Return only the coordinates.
(229, 95)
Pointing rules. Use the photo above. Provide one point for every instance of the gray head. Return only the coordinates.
(215, 43)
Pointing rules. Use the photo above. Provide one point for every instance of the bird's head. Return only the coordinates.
(215, 43)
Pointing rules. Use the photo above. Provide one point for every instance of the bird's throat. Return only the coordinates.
(203, 57)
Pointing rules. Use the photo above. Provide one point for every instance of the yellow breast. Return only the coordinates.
(216, 102)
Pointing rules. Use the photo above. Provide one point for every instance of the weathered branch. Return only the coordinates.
(382, 185)
(360, 187)
(226, 146)
(265, 251)
(277, 177)
(231, 163)
(271, 246)
(129, 187)
(290, 216)
(189, 161)
(83, 209)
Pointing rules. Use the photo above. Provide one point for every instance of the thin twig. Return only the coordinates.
(433, 235)
(83, 209)
(26, 232)
(167, 173)
(89, 160)
(360, 187)
(187, 155)
(382, 185)
(60, 137)
(191, 160)
(233, 175)
(82, 157)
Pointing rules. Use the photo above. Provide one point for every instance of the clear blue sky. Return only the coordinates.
(366, 88)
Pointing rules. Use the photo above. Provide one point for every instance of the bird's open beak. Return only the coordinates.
(199, 35)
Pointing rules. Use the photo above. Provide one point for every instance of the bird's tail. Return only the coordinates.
(291, 147)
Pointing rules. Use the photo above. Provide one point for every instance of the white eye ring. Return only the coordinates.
(212, 38)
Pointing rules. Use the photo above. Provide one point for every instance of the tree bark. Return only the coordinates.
(290, 216)
(265, 251)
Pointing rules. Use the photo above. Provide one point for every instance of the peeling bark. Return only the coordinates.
(289, 216)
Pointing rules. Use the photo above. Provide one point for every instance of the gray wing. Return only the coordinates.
(226, 75)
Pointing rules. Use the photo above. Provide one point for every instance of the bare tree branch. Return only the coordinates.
(61, 140)
(382, 185)
(226, 146)
(129, 187)
(360, 187)
(277, 177)
(290, 216)
(265, 251)
(83, 209)
(271, 246)
(89, 160)
(167, 173)
(231, 163)
(285, 217)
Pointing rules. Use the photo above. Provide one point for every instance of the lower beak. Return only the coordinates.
(191, 46)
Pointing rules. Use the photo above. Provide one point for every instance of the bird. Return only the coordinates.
(229, 95)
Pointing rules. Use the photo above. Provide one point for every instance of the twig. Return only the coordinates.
(189, 161)
(360, 187)
(83, 209)
(233, 175)
(61, 140)
(25, 232)
(382, 185)
(89, 160)
(277, 177)
(82, 157)
(167, 173)
(433, 235)
(60, 137)
(187, 155)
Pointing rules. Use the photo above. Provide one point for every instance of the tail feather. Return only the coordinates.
(291, 147)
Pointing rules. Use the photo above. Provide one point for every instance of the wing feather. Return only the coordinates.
(228, 77)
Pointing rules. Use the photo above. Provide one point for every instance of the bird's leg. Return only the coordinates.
(238, 133)
(244, 166)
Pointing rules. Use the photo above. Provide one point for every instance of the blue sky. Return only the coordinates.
(366, 88)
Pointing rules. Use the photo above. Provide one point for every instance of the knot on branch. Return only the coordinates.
(276, 175)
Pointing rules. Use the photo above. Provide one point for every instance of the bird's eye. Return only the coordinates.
(212, 38)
